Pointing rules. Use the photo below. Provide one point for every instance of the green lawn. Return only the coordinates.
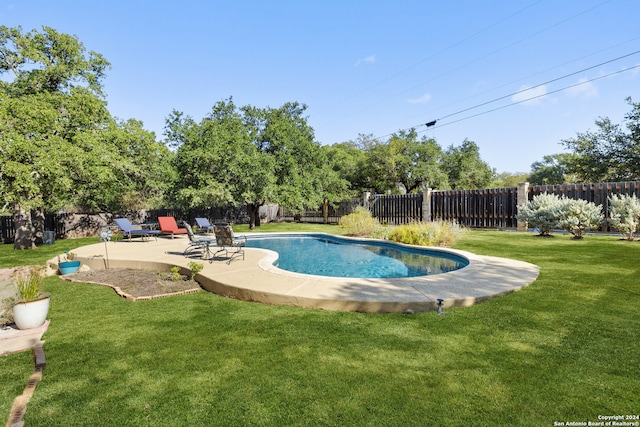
(566, 348)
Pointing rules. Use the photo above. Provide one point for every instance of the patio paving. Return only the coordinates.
(256, 279)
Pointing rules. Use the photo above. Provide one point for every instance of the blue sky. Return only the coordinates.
(368, 67)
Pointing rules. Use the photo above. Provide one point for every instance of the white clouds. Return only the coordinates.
(530, 95)
(583, 88)
(421, 99)
(366, 60)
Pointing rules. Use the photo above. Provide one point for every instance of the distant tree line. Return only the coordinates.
(61, 149)
(609, 153)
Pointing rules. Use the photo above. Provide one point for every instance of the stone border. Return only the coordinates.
(20, 402)
(129, 297)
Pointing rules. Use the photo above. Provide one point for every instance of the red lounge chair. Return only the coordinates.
(168, 225)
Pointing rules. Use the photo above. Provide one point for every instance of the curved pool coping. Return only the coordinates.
(256, 278)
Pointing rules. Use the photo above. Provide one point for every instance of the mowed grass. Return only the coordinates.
(566, 348)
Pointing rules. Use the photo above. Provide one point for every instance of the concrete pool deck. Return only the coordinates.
(256, 279)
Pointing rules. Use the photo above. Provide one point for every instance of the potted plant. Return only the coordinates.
(31, 305)
(68, 266)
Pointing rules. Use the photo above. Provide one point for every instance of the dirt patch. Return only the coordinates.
(137, 283)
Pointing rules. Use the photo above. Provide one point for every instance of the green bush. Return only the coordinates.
(625, 214)
(437, 233)
(549, 211)
(579, 216)
(360, 223)
(196, 268)
(542, 212)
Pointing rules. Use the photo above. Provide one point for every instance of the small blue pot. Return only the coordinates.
(68, 267)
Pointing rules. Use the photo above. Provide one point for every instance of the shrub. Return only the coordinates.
(578, 216)
(175, 273)
(360, 223)
(196, 268)
(542, 212)
(625, 214)
(437, 233)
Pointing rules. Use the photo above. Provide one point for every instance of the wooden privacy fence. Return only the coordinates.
(490, 208)
(329, 213)
(494, 208)
(396, 209)
(597, 193)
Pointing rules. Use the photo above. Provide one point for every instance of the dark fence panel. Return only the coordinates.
(396, 209)
(491, 208)
(334, 212)
(7, 229)
(598, 193)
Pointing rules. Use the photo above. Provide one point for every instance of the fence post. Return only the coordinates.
(521, 199)
(365, 200)
(426, 204)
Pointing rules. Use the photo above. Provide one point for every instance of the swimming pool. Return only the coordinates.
(325, 255)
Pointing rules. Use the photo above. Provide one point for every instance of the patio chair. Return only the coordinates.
(168, 225)
(198, 243)
(129, 231)
(232, 246)
(204, 224)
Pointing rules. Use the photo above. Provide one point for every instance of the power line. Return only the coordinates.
(539, 85)
(451, 46)
(432, 124)
(538, 96)
(532, 75)
(554, 25)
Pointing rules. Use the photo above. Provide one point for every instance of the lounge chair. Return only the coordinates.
(129, 231)
(204, 224)
(231, 245)
(168, 225)
(198, 243)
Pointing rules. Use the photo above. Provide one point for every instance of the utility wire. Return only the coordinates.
(451, 46)
(541, 84)
(536, 97)
(556, 24)
(530, 75)
(433, 124)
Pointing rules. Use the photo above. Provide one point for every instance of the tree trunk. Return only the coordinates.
(253, 215)
(325, 211)
(24, 238)
(37, 223)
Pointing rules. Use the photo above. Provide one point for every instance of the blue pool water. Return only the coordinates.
(331, 256)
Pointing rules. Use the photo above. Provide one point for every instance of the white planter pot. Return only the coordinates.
(31, 314)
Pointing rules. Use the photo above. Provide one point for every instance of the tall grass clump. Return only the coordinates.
(360, 223)
(28, 284)
(436, 233)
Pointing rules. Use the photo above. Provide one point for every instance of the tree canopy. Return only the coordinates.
(406, 163)
(250, 156)
(608, 153)
(464, 167)
(60, 147)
